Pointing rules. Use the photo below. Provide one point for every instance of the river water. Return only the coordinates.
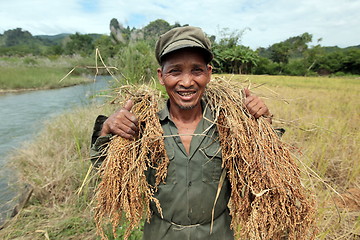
(21, 117)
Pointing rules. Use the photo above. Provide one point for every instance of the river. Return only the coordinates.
(22, 115)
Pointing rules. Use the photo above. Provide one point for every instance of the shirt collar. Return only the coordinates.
(164, 114)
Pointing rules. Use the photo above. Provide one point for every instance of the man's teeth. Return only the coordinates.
(186, 93)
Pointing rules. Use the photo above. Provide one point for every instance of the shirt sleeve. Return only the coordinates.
(279, 131)
(98, 143)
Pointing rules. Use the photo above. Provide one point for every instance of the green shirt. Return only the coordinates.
(187, 198)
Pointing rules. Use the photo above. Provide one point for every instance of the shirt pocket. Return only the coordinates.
(171, 171)
(211, 167)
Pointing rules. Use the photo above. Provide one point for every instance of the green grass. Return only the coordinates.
(321, 117)
(40, 72)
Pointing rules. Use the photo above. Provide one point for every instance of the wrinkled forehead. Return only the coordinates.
(185, 54)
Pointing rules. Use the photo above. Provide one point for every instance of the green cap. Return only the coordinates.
(183, 37)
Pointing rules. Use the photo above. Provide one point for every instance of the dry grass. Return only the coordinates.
(55, 163)
(321, 117)
(123, 188)
(267, 198)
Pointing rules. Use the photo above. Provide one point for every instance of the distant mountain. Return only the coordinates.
(358, 46)
(60, 38)
(57, 39)
(336, 48)
(21, 42)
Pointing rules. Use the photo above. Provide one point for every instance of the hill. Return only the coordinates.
(21, 42)
(56, 39)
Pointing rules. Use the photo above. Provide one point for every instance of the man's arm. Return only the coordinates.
(98, 143)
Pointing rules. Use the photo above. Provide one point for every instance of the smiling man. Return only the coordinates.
(194, 151)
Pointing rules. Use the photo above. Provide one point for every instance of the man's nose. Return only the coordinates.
(187, 80)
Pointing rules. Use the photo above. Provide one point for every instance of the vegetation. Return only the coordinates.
(320, 116)
(293, 56)
(41, 72)
(123, 189)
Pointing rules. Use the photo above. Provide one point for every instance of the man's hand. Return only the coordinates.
(256, 106)
(122, 123)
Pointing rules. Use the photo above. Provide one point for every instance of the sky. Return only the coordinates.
(263, 22)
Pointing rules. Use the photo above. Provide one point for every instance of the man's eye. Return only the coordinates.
(198, 70)
(174, 71)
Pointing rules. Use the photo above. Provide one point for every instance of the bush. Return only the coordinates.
(30, 61)
(296, 68)
(266, 66)
(137, 62)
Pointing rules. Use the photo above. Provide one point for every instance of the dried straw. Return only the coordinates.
(267, 199)
(123, 188)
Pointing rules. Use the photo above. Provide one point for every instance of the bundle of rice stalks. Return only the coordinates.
(123, 188)
(267, 199)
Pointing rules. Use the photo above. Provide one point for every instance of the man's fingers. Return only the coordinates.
(126, 111)
(129, 119)
(255, 105)
(249, 98)
(125, 129)
(254, 110)
(127, 125)
(250, 102)
(129, 104)
(123, 134)
(260, 112)
(247, 92)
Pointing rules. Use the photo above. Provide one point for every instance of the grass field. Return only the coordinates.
(321, 117)
(40, 72)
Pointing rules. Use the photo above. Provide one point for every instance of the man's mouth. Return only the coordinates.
(186, 94)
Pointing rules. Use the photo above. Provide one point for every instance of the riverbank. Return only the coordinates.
(20, 90)
(20, 74)
(321, 118)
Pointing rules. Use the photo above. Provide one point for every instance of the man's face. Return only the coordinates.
(185, 76)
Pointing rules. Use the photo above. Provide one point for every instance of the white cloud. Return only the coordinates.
(270, 21)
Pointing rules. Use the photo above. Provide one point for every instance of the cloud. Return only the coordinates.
(270, 21)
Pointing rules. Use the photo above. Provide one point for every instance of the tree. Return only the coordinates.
(82, 44)
(231, 38)
(230, 56)
(107, 47)
(344, 61)
(351, 61)
(280, 52)
(156, 28)
(17, 37)
(137, 62)
(293, 47)
(311, 55)
(55, 50)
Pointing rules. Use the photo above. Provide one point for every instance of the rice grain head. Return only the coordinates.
(267, 198)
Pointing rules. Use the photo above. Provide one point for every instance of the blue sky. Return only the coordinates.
(267, 21)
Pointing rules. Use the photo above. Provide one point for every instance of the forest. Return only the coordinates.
(132, 47)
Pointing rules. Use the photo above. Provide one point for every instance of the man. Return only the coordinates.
(187, 198)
